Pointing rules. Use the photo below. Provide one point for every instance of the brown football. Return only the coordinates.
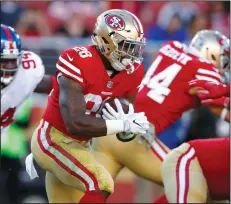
(122, 136)
(124, 103)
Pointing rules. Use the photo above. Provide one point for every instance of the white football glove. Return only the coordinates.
(133, 122)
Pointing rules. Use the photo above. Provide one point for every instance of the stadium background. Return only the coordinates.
(47, 28)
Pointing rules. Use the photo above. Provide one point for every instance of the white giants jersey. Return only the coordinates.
(28, 76)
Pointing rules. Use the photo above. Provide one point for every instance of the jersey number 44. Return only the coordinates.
(159, 83)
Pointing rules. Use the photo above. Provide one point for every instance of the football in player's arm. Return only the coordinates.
(74, 114)
(86, 77)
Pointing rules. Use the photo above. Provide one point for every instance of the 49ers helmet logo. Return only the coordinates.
(115, 22)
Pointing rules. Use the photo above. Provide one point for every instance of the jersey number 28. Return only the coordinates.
(159, 83)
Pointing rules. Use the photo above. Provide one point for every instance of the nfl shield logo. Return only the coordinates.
(109, 84)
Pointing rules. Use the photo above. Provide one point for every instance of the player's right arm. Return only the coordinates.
(73, 108)
(73, 105)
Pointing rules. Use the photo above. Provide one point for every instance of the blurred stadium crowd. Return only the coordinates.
(162, 21)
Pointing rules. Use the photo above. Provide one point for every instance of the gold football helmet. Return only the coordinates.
(119, 36)
(213, 46)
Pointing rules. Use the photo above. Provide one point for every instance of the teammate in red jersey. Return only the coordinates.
(200, 169)
(84, 65)
(164, 94)
(165, 86)
(86, 76)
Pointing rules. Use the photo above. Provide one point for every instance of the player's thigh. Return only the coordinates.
(103, 149)
(52, 160)
(214, 158)
(58, 192)
(114, 154)
(43, 160)
(70, 161)
(183, 177)
(142, 159)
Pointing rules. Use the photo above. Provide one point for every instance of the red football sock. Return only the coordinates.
(92, 197)
(161, 199)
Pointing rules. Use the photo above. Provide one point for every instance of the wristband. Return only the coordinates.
(114, 126)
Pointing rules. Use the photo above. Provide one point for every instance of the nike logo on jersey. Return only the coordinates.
(71, 59)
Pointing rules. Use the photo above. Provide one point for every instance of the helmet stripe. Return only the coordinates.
(140, 27)
(9, 36)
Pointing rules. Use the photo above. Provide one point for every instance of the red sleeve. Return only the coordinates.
(68, 66)
(206, 71)
(138, 76)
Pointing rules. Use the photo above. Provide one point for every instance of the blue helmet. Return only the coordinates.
(11, 53)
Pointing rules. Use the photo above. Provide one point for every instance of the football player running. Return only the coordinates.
(22, 73)
(199, 170)
(86, 77)
(164, 96)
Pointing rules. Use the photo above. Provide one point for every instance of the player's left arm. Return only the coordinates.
(46, 84)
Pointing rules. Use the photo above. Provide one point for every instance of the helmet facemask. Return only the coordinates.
(225, 65)
(127, 54)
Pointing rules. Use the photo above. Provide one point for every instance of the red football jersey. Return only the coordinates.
(84, 65)
(164, 92)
